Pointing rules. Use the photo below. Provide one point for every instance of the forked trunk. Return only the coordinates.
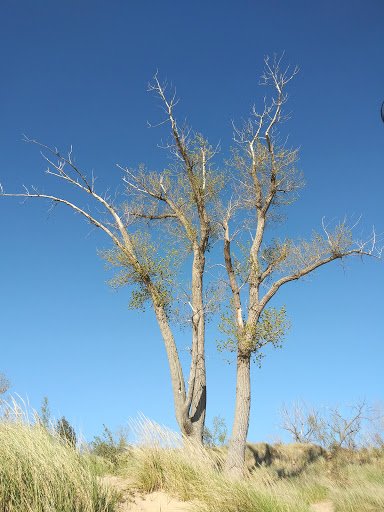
(199, 401)
(189, 407)
(191, 421)
(198, 373)
(234, 464)
(196, 419)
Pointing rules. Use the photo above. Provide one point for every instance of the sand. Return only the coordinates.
(159, 501)
(323, 506)
(154, 502)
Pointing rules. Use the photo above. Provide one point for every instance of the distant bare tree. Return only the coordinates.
(374, 436)
(336, 429)
(5, 384)
(300, 421)
(329, 426)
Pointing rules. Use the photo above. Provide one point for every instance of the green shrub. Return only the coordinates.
(217, 435)
(66, 432)
(108, 447)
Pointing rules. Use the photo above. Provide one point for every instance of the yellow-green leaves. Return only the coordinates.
(160, 265)
(270, 328)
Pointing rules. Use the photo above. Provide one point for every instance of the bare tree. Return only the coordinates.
(332, 427)
(300, 421)
(176, 200)
(265, 179)
(5, 384)
(336, 429)
(374, 435)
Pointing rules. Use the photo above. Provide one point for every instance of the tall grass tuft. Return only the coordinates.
(163, 460)
(39, 472)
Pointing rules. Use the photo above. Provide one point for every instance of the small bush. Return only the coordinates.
(66, 432)
(108, 447)
(217, 435)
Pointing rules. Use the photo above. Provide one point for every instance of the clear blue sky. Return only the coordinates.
(76, 72)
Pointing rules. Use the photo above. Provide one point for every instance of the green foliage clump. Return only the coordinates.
(66, 432)
(45, 414)
(160, 270)
(217, 435)
(270, 328)
(108, 447)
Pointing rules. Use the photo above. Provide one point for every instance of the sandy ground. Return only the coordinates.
(323, 506)
(157, 502)
(162, 502)
(154, 502)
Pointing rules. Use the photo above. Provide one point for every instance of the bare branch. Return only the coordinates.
(328, 426)
(300, 421)
(91, 219)
(64, 160)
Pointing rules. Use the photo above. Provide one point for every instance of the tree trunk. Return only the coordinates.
(178, 385)
(190, 403)
(234, 465)
(199, 400)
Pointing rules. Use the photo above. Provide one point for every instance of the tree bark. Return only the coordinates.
(197, 377)
(234, 465)
(178, 385)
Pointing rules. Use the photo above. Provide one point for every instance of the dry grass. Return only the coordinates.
(279, 478)
(40, 473)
